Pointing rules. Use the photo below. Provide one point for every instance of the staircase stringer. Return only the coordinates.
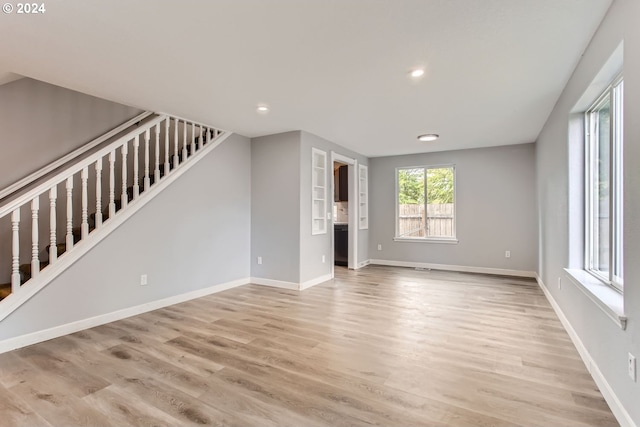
(70, 257)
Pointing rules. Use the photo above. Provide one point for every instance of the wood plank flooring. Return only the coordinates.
(378, 346)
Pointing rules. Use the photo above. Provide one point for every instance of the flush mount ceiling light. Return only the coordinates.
(418, 72)
(428, 137)
(262, 109)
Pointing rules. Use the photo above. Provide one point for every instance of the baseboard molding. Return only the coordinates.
(70, 328)
(66, 260)
(274, 283)
(291, 285)
(316, 281)
(610, 396)
(460, 268)
(363, 264)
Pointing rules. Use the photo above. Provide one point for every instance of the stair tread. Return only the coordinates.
(5, 290)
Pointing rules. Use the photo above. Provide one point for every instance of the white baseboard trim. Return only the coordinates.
(15, 300)
(363, 264)
(291, 285)
(610, 396)
(460, 268)
(70, 328)
(274, 283)
(316, 281)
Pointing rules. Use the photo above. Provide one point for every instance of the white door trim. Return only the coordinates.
(353, 207)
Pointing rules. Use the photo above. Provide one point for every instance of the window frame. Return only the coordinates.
(450, 240)
(614, 93)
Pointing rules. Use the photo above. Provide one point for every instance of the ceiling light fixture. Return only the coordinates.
(428, 137)
(418, 72)
(262, 109)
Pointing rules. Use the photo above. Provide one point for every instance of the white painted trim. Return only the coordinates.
(15, 300)
(73, 169)
(607, 391)
(605, 297)
(363, 264)
(65, 159)
(460, 268)
(70, 328)
(274, 283)
(316, 281)
(342, 159)
(352, 248)
(291, 285)
(182, 119)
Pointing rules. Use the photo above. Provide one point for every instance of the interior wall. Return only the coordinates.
(275, 207)
(194, 235)
(607, 344)
(313, 247)
(495, 209)
(41, 123)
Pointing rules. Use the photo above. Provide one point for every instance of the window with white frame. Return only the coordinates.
(603, 186)
(425, 203)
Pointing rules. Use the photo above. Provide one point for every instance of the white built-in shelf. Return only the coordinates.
(319, 191)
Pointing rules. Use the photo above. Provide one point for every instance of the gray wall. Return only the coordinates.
(313, 247)
(495, 209)
(194, 235)
(275, 206)
(41, 123)
(281, 209)
(607, 344)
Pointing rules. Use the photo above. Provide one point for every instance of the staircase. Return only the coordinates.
(137, 166)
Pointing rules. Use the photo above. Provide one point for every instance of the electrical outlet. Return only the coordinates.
(379, 247)
(144, 280)
(259, 260)
(324, 259)
(631, 361)
(559, 282)
(507, 254)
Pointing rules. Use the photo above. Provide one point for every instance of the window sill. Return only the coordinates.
(610, 301)
(426, 240)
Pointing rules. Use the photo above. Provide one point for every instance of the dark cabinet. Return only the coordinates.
(341, 182)
(341, 244)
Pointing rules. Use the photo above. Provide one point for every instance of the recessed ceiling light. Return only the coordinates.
(418, 72)
(428, 137)
(262, 109)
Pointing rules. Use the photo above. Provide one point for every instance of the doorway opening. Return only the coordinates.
(344, 216)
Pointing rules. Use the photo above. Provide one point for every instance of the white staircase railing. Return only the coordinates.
(93, 192)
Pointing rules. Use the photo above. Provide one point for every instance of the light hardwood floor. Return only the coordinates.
(383, 346)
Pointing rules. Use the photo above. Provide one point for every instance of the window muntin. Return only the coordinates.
(603, 179)
(425, 203)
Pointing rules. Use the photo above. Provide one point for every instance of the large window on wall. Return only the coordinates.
(425, 203)
(603, 187)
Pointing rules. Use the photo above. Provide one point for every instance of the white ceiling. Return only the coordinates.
(336, 68)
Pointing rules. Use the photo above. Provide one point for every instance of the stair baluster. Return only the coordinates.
(98, 217)
(112, 184)
(53, 250)
(124, 198)
(166, 147)
(35, 260)
(15, 250)
(176, 156)
(136, 167)
(193, 138)
(147, 180)
(84, 227)
(156, 171)
(185, 154)
(69, 236)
